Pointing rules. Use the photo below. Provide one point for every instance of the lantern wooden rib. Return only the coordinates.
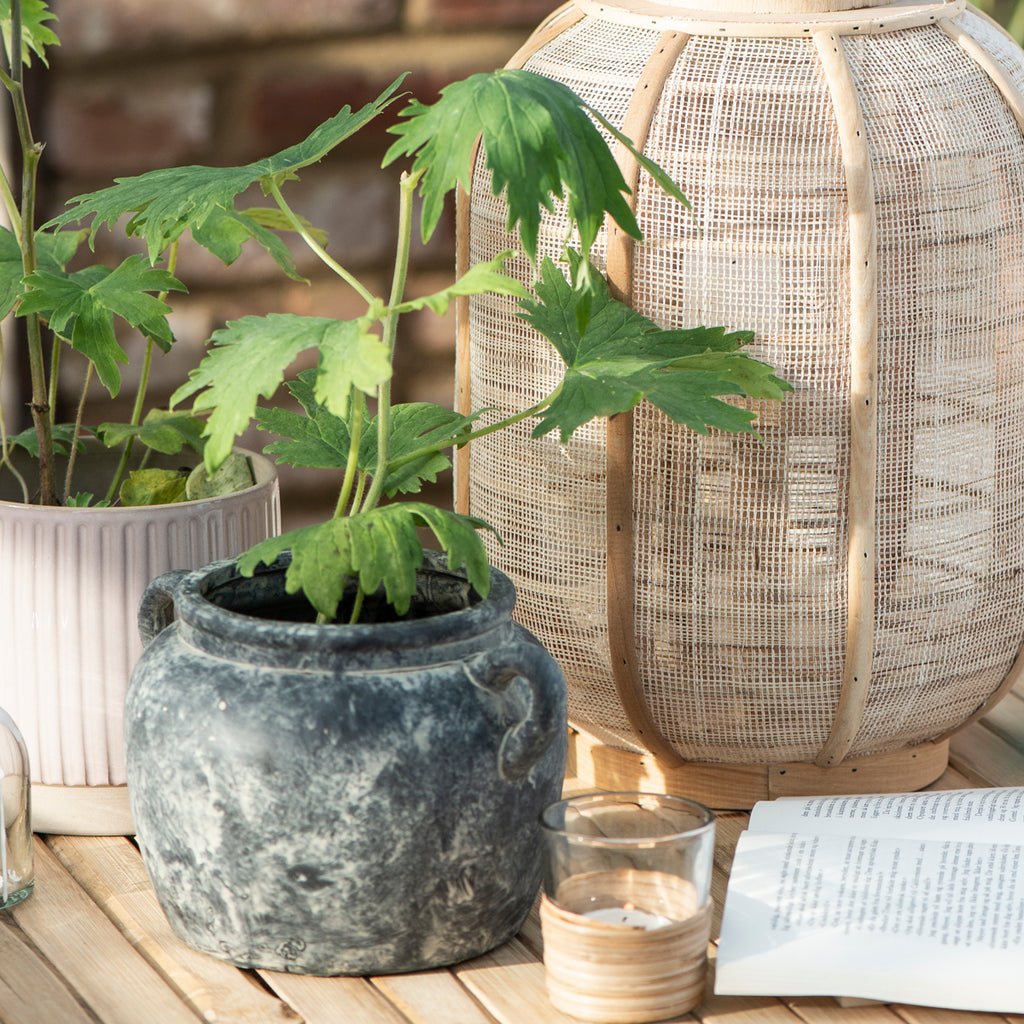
(819, 611)
(860, 558)
(619, 473)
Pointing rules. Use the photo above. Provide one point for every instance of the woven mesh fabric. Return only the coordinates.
(741, 544)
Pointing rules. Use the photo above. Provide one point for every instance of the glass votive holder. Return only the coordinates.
(16, 865)
(626, 909)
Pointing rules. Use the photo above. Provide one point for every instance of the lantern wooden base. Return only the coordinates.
(593, 760)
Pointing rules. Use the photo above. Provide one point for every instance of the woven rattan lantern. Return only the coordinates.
(816, 611)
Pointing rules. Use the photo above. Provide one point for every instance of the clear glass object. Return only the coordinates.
(626, 911)
(17, 875)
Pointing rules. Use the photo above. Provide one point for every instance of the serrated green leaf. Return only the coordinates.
(249, 359)
(35, 34)
(54, 251)
(162, 430)
(318, 438)
(153, 487)
(84, 499)
(82, 305)
(224, 232)
(539, 141)
(166, 202)
(480, 278)
(619, 357)
(378, 548)
(350, 357)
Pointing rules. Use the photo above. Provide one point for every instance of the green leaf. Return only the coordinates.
(82, 306)
(233, 474)
(318, 438)
(480, 278)
(224, 232)
(249, 359)
(84, 499)
(63, 435)
(539, 143)
(153, 487)
(350, 357)
(378, 548)
(315, 438)
(415, 426)
(619, 357)
(35, 34)
(53, 253)
(162, 430)
(168, 201)
(273, 218)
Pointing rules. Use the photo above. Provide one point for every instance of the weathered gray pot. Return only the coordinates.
(341, 799)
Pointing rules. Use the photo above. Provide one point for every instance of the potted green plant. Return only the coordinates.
(88, 515)
(339, 749)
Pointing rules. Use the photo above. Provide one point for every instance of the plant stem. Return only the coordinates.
(140, 393)
(79, 413)
(316, 248)
(357, 607)
(31, 152)
(473, 435)
(389, 335)
(5, 451)
(352, 463)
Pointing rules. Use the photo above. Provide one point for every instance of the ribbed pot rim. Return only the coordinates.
(205, 620)
(264, 471)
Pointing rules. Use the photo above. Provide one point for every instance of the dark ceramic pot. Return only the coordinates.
(341, 799)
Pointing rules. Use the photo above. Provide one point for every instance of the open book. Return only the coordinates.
(913, 898)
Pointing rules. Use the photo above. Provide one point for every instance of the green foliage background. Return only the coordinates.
(1009, 13)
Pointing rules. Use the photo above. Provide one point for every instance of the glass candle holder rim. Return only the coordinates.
(704, 814)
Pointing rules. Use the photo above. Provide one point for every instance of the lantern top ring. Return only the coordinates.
(787, 18)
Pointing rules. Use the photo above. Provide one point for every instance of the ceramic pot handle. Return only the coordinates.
(156, 606)
(543, 717)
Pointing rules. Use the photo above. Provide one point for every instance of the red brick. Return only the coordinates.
(102, 25)
(446, 14)
(109, 130)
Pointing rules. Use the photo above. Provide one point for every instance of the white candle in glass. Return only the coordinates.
(630, 916)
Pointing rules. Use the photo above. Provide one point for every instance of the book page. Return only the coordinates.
(932, 923)
(982, 815)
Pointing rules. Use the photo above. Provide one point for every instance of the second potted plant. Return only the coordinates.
(89, 515)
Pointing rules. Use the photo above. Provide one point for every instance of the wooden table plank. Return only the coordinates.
(510, 984)
(1006, 719)
(31, 992)
(985, 758)
(333, 1000)
(111, 871)
(433, 997)
(95, 959)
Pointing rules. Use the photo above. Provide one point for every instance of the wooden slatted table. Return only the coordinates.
(91, 946)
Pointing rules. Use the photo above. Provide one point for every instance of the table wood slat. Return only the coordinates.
(985, 758)
(510, 984)
(333, 1000)
(78, 939)
(433, 997)
(31, 991)
(111, 871)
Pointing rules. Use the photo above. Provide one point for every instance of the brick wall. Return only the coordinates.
(137, 85)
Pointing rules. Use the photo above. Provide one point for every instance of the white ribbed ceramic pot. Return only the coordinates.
(70, 580)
